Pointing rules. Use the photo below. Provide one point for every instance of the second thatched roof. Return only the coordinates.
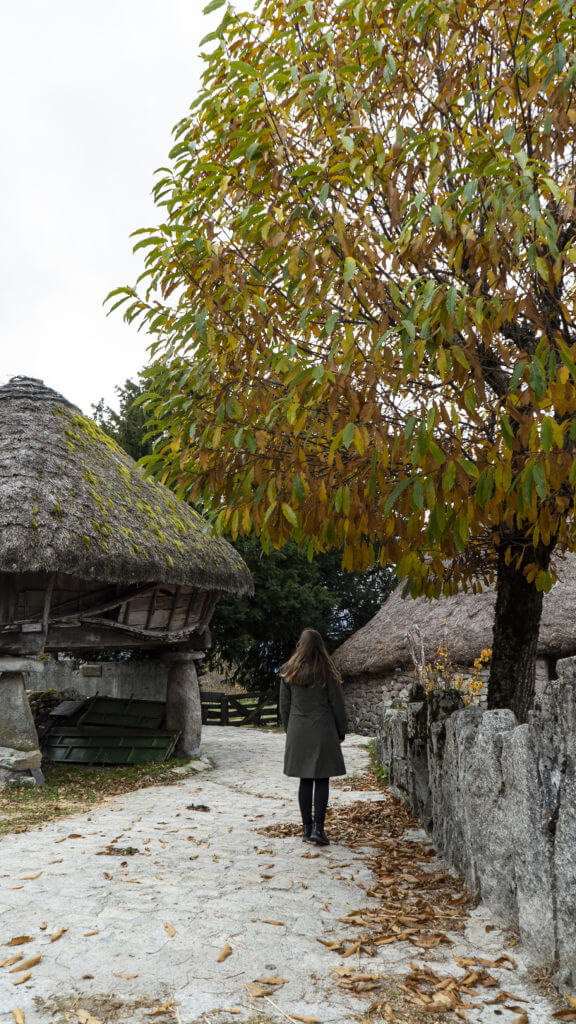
(462, 622)
(71, 501)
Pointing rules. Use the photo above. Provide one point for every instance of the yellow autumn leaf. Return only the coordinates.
(84, 1017)
(27, 878)
(57, 935)
(224, 953)
(23, 979)
(18, 1015)
(19, 940)
(11, 960)
(170, 929)
(26, 964)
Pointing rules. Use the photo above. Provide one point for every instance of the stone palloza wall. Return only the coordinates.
(364, 693)
(363, 696)
(500, 802)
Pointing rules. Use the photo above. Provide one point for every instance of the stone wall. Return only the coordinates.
(500, 802)
(145, 680)
(363, 696)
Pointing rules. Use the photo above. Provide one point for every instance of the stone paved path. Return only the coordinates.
(148, 927)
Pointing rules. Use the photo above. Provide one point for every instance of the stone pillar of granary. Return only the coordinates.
(20, 756)
(183, 707)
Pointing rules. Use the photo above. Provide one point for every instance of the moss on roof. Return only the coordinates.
(72, 501)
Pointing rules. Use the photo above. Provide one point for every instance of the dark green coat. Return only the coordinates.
(314, 718)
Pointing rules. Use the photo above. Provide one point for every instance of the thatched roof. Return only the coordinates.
(463, 622)
(71, 501)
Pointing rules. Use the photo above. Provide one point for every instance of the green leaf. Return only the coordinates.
(449, 477)
(418, 493)
(398, 490)
(547, 433)
(559, 56)
(517, 375)
(348, 435)
(299, 489)
(213, 6)
(349, 268)
(537, 379)
(451, 300)
(540, 481)
(331, 323)
(470, 468)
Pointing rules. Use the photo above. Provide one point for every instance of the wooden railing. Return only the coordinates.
(224, 709)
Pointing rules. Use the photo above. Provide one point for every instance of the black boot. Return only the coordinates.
(318, 834)
(306, 831)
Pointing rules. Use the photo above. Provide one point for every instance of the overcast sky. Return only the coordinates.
(90, 93)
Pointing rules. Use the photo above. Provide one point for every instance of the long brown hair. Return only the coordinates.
(310, 663)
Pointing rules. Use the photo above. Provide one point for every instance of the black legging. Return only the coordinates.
(321, 789)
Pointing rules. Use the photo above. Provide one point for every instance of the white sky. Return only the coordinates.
(90, 92)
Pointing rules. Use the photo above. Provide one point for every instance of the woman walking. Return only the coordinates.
(313, 715)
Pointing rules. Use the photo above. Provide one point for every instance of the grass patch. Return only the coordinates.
(73, 789)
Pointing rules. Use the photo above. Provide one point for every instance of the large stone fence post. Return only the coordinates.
(183, 706)
(20, 755)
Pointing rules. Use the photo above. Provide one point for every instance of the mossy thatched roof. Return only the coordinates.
(71, 501)
(462, 622)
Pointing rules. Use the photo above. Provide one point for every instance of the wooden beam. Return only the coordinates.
(175, 597)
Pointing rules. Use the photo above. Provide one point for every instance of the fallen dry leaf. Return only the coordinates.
(258, 991)
(564, 1015)
(125, 975)
(30, 962)
(19, 940)
(224, 953)
(28, 878)
(58, 935)
(96, 931)
(18, 1015)
(571, 1000)
(304, 1019)
(23, 979)
(162, 1009)
(11, 960)
(170, 929)
(279, 923)
(271, 981)
(84, 1017)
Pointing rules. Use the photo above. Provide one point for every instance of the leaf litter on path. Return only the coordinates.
(418, 902)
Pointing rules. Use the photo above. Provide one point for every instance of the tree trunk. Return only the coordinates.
(516, 626)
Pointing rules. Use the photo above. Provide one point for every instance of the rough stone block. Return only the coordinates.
(17, 729)
(19, 760)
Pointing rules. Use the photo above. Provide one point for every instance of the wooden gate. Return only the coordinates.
(223, 709)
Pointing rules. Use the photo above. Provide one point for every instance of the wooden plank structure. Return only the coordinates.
(50, 612)
(94, 556)
(225, 709)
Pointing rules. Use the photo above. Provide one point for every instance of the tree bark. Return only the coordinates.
(516, 627)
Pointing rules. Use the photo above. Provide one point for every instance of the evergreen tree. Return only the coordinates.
(252, 637)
